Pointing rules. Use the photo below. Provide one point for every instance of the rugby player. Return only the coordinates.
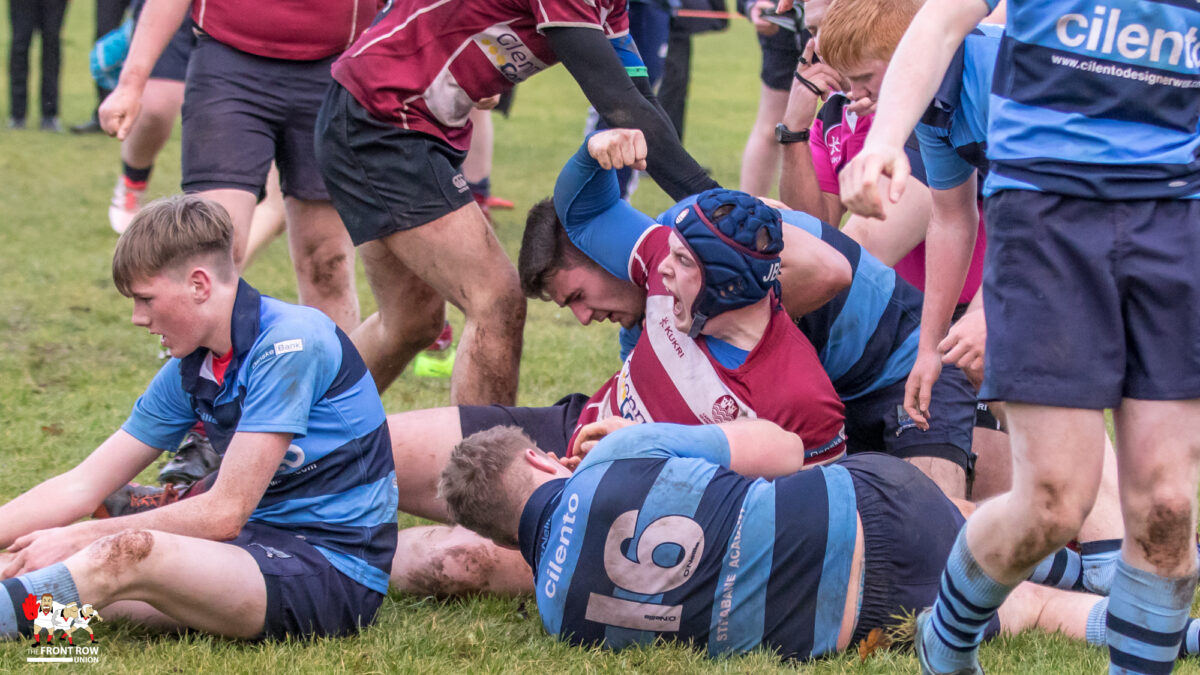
(394, 130)
(297, 533)
(861, 318)
(1091, 204)
(254, 83)
(717, 347)
(655, 536)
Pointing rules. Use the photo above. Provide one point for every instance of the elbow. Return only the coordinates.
(225, 524)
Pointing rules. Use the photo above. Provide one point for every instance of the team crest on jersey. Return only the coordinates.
(724, 409)
(508, 53)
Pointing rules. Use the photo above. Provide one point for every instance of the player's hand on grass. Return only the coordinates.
(919, 389)
(45, 547)
(754, 13)
(860, 180)
(964, 345)
(618, 148)
(591, 434)
(119, 111)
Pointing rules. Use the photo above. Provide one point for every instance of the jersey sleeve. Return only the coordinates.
(944, 168)
(648, 441)
(821, 159)
(163, 413)
(588, 202)
(291, 367)
(564, 13)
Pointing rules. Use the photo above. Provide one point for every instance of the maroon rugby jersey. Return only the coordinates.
(425, 62)
(296, 30)
(669, 377)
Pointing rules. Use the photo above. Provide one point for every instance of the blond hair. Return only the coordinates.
(482, 491)
(170, 232)
(855, 31)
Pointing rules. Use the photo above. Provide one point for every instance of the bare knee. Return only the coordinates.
(1160, 526)
(434, 561)
(120, 553)
(1053, 516)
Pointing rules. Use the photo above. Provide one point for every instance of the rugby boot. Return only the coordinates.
(498, 203)
(922, 625)
(438, 358)
(194, 460)
(126, 202)
(135, 498)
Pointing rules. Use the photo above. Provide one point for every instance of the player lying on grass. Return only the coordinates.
(654, 535)
(297, 533)
(863, 320)
(716, 347)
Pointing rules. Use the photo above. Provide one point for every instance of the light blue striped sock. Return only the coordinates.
(1147, 615)
(967, 601)
(1099, 564)
(1062, 570)
(55, 580)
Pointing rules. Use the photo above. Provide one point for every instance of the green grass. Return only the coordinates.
(71, 366)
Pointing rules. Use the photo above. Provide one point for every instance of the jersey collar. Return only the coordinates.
(945, 101)
(244, 328)
(535, 520)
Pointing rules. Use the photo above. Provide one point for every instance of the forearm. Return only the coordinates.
(205, 516)
(762, 449)
(157, 23)
(918, 65)
(56, 502)
(798, 185)
(595, 66)
(948, 249)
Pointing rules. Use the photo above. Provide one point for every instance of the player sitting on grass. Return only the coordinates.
(654, 536)
(296, 535)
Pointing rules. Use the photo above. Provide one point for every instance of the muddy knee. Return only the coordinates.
(121, 551)
(1163, 531)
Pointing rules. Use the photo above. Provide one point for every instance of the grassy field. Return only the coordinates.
(71, 366)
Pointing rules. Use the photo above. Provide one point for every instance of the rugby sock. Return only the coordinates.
(1147, 615)
(1099, 564)
(55, 580)
(967, 601)
(481, 189)
(1097, 633)
(1062, 570)
(139, 177)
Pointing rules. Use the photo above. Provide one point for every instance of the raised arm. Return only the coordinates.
(594, 64)
(588, 200)
(915, 71)
(157, 23)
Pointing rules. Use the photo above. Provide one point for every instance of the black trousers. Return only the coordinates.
(28, 16)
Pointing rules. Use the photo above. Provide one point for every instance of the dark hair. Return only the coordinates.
(545, 250)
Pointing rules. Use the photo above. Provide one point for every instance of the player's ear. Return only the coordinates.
(540, 460)
(200, 283)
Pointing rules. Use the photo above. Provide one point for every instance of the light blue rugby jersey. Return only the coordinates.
(953, 131)
(1097, 99)
(293, 371)
(652, 537)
